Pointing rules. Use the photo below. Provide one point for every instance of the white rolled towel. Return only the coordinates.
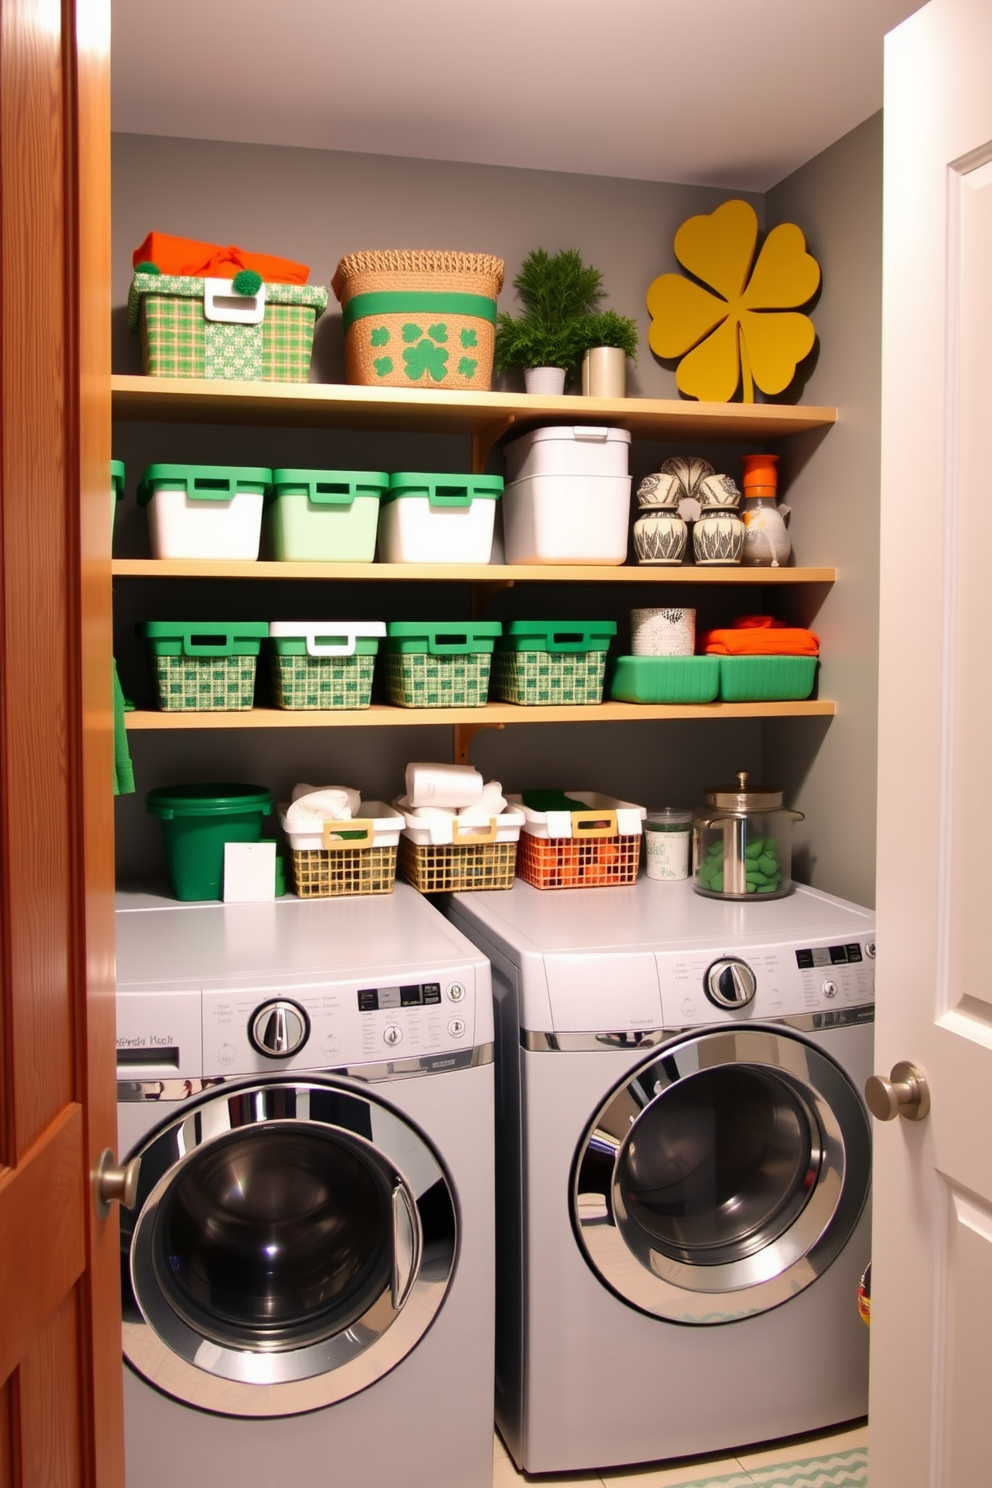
(442, 785)
(313, 803)
(491, 803)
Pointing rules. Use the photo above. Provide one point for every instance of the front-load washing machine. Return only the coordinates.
(308, 1268)
(683, 1167)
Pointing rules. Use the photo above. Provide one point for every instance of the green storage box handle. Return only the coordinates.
(450, 643)
(201, 483)
(445, 490)
(330, 488)
(209, 638)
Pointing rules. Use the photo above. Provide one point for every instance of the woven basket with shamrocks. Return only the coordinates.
(418, 317)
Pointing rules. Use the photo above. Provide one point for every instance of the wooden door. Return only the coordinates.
(931, 1426)
(60, 1369)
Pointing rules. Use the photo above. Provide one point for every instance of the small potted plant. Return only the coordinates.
(610, 339)
(560, 323)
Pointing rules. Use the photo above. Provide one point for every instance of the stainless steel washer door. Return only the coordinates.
(722, 1176)
(292, 1242)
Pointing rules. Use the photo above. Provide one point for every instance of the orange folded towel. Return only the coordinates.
(210, 261)
(760, 635)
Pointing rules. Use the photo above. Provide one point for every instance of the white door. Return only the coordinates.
(931, 1400)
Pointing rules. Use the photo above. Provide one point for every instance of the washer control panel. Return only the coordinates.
(764, 982)
(163, 1033)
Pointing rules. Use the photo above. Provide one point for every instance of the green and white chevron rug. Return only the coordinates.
(830, 1470)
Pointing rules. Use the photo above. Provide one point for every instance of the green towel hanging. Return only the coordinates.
(123, 769)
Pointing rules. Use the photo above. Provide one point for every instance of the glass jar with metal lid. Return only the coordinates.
(742, 842)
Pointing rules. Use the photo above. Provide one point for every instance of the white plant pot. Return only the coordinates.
(548, 380)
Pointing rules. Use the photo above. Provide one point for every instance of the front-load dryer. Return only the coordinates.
(683, 1167)
(308, 1269)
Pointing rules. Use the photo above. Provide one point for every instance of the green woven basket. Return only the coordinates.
(552, 661)
(204, 667)
(439, 665)
(323, 682)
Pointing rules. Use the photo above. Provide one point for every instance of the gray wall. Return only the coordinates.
(837, 199)
(315, 206)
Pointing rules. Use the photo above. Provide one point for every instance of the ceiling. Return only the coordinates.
(727, 93)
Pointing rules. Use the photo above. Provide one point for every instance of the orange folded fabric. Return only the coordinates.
(211, 261)
(761, 635)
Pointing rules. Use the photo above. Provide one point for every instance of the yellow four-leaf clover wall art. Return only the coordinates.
(736, 326)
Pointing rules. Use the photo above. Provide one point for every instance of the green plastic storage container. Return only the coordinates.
(326, 516)
(443, 665)
(552, 661)
(197, 820)
(204, 666)
(323, 664)
(666, 679)
(772, 679)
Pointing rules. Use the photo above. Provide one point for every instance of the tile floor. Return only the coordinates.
(696, 1471)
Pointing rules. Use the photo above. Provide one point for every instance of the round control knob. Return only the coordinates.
(730, 983)
(278, 1028)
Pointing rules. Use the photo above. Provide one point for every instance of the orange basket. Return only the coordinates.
(578, 862)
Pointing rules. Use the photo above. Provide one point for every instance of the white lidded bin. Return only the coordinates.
(430, 518)
(204, 511)
(568, 450)
(566, 519)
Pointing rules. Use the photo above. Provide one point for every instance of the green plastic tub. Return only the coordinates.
(442, 665)
(325, 663)
(771, 679)
(196, 822)
(666, 679)
(552, 661)
(325, 516)
(204, 666)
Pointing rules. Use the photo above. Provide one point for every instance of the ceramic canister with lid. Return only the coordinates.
(742, 842)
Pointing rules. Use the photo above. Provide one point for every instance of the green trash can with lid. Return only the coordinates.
(197, 820)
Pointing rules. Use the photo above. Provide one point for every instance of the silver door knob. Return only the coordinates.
(905, 1093)
(115, 1185)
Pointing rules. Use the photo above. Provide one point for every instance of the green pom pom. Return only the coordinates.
(247, 282)
(147, 267)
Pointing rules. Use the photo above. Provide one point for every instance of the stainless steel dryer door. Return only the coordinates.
(722, 1176)
(292, 1242)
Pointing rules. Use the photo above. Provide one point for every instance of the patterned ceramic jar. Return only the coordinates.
(660, 536)
(660, 490)
(718, 536)
(718, 491)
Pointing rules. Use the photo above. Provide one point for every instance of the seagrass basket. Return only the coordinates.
(419, 317)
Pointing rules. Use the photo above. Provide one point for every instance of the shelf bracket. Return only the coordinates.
(483, 592)
(464, 734)
(483, 441)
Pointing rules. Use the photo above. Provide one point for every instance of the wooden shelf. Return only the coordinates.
(473, 573)
(484, 415)
(493, 715)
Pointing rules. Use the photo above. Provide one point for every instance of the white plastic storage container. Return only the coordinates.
(566, 519)
(429, 518)
(204, 511)
(578, 450)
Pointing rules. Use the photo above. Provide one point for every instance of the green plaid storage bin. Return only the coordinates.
(324, 663)
(204, 667)
(322, 682)
(419, 680)
(178, 340)
(441, 665)
(552, 661)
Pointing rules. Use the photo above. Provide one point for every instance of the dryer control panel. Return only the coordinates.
(826, 980)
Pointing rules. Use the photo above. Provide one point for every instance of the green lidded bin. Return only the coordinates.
(327, 516)
(323, 663)
(197, 820)
(665, 679)
(443, 665)
(552, 661)
(748, 679)
(204, 666)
